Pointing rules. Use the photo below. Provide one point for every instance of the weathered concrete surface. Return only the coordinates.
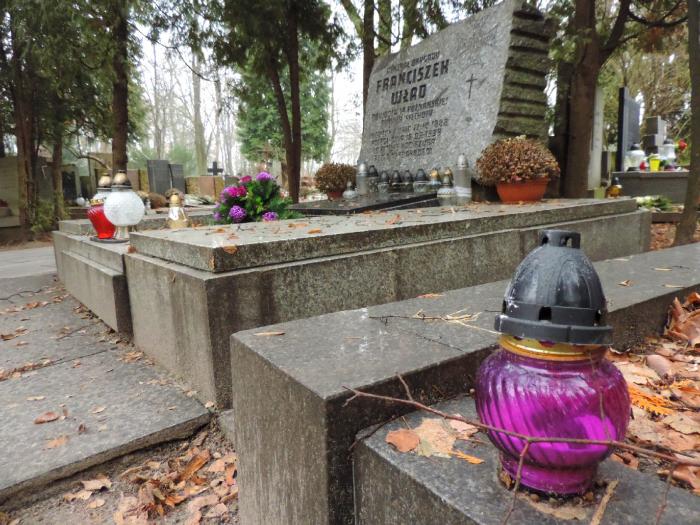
(122, 402)
(183, 316)
(250, 245)
(393, 488)
(25, 262)
(671, 184)
(294, 383)
(94, 274)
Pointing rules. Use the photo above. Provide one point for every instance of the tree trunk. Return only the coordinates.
(583, 86)
(157, 124)
(2, 138)
(273, 74)
(293, 57)
(384, 32)
(120, 85)
(57, 176)
(560, 141)
(200, 150)
(688, 223)
(24, 123)
(368, 52)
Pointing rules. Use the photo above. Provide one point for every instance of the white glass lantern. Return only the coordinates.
(123, 207)
(635, 156)
(668, 151)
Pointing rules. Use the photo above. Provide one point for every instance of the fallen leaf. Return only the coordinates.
(649, 402)
(403, 440)
(217, 511)
(36, 398)
(567, 511)
(230, 472)
(97, 410)
(315, 230)
(217, 466)
(465, 430)
(626, 282)
(209, 404)
(131, 249)
(99, 483)
(662, 269)
(46, 417)
(57, 442)
(194, 465)
(466, 457)
(659, 364)
(395, 219)
(682, 423)
(202, 501)
(673, 286)
(431, 295)
(436, 438)
(82, 495)
(97, 502)
(230, 249)
(268, 334)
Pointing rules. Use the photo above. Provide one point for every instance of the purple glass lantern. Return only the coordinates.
(549, 377)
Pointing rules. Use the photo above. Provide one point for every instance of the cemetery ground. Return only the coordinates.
(139, 447)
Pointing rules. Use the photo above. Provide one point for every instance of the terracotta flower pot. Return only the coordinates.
(525, 191)
(334, 195)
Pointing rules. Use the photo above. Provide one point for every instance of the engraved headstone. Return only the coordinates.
(177, 176)
(158, 176)
(627, 126)
(459, 90)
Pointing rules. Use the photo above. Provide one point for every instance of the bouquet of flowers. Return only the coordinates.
(252, 200)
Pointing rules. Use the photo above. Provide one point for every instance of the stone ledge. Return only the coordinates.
(395, 488)
(304, 372)
(232, 247)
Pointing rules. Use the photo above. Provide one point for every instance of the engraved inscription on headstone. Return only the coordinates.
(158, 176)
(458, 90)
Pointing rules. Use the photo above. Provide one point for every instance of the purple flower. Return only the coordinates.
(270, 216)
(237, 213)
(217, 216)
(246, 179)
(263, 176)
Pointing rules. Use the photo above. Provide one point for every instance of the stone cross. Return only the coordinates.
(215, 170)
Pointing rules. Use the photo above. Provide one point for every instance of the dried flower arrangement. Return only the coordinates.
(334, 177)
(515, 160)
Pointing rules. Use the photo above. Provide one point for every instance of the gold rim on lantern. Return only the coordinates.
(552, 352)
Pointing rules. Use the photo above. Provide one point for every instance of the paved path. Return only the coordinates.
(57, 357)
(30, 261)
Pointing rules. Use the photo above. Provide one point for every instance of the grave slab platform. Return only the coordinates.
(364, 203)
(267, 273)
(393, 488)
(291, 378)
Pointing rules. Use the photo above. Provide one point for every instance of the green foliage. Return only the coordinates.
(44, 217)
(655, 202)
(258, 120)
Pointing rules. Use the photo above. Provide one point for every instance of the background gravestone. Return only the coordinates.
(177, 176)
(158, 176)
(627, 126)
(459, 90)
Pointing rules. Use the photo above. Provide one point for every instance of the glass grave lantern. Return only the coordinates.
(635, 156)
(668, 152)
(123, 207)
(96, 213)
(549, 378)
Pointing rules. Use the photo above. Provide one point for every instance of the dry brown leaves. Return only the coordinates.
(207, 483)
(664, 386)
(434, 437)
(684, 320)
(16, 373)
(18, 331)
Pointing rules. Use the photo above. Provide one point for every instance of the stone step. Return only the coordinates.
(110, 403)
(394, 488)
(290, 379)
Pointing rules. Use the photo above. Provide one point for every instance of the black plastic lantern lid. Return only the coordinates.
(555, 295)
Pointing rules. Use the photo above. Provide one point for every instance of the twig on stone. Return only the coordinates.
(600, 511)
(518, 477)
(664, 498)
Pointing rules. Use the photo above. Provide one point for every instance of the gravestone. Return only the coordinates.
(459, 90)
(158, 176)
(627, 126)
(177, 176)
(655, 134)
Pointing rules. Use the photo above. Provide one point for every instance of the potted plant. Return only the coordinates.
(333, 178)
(519, 167)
